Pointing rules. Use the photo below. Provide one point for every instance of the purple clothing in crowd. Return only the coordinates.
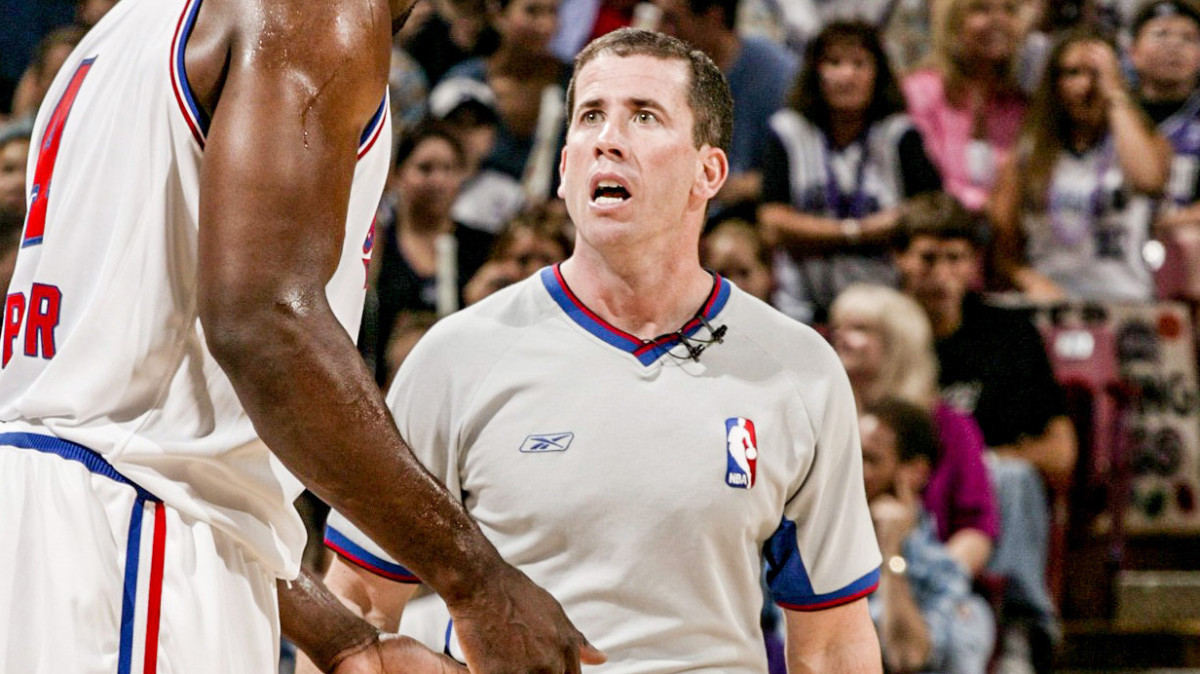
(959, 493)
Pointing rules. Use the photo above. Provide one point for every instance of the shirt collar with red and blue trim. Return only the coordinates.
(646, 351)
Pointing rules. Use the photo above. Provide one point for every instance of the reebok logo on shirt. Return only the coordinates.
(547, 442)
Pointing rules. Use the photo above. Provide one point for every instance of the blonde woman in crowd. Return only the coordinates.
(968, 103)
(886, 344)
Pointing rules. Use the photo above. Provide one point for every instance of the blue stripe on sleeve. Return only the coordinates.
(788, 578)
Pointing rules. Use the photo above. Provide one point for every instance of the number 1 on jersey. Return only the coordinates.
(35, 222)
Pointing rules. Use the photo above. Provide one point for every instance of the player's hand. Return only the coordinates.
(393, 654)
(515, 626)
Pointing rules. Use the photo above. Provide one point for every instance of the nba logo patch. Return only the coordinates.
(741, 449)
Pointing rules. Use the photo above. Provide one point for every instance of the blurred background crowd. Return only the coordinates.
(990, 207)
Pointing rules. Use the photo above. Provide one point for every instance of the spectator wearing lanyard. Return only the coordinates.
(842, 157)
(1072, 211)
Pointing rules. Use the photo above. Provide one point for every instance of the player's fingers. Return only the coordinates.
(589, 654)
(448, 665)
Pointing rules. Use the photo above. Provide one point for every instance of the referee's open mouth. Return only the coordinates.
(609, 193)
(609, 190)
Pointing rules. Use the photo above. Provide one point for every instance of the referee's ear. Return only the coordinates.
(714, 170)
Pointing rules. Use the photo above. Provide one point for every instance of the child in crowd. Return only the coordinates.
(735, 250)
(539, 237)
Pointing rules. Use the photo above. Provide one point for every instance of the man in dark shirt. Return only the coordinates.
(760, 74)
(993, 362)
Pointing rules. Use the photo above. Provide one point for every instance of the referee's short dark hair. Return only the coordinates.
(941, 216)
(708, 92)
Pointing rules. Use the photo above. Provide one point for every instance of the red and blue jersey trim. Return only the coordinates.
(197, 119)
(787, 577)
(361, 557)
(854, 591)
(646, 351)
(150, 599)
(374, 128)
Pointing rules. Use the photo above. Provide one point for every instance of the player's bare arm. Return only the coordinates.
(376, 599)
(290, 85)
(310, 612)
(838, 640)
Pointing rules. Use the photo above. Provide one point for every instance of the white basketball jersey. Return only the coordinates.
(102, 344)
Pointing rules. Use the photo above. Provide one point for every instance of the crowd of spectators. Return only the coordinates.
(893, 162)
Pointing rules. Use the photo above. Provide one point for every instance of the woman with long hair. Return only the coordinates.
(968, 102)
(843, 156)
(1073, 209)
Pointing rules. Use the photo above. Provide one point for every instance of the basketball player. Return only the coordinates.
(635, 433)
(201, 193)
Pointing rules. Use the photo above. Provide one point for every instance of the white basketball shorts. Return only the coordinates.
(97, 576)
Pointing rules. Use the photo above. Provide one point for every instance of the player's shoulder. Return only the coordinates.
(790, 349)
(280, 35)
(461, 350)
